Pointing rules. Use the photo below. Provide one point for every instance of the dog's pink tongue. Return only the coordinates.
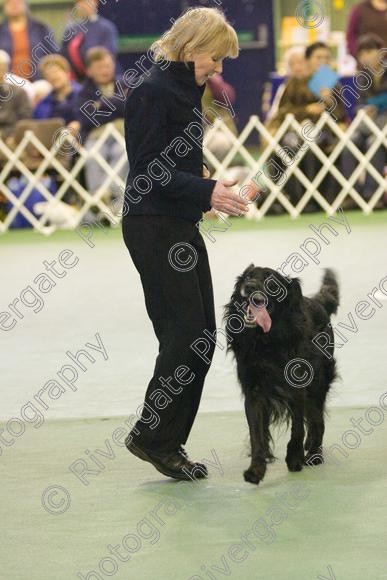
(262, 318)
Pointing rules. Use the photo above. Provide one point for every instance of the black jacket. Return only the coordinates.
(166, 164)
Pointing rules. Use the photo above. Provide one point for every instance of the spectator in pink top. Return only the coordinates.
(369, 17)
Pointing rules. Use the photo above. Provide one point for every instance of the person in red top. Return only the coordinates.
(23, 38)
(369, 17)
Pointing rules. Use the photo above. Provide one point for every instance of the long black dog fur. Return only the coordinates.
(261, 358)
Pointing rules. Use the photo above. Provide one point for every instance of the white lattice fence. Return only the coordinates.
(69, 177)
(275, 193)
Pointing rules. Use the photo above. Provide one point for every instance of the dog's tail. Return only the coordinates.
(328, 295)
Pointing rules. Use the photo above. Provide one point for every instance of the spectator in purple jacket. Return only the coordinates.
(369, 17)
(24, 39)
(90, 30)
(62, 99)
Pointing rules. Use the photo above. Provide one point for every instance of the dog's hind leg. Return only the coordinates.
(316, 428)
(295, 449)
(258, 419)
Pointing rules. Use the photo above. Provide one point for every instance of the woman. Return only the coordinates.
(299, 100)
(295, 63)
(62, 99)
(20, 35)
(166, 195)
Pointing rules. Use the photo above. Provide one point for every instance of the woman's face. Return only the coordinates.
(206, 65)
(57, 77)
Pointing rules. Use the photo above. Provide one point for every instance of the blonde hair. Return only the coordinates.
(54, 60)
(197, 30)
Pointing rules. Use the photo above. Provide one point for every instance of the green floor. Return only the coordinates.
(334, 530)
(335, 518)
(355, 217)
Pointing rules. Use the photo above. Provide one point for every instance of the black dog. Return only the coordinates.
(278, 327)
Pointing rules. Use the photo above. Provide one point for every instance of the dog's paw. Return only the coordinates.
(295, 464)
(295, 460)
(254, 474)
(313, 459)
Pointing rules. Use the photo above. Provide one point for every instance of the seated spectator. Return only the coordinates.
(62, 99)
(369, 17)
(299, 100)
(14, 102)
(295, 63)
(102, 96)
(374, 101)
(19, 34)
(100, 32)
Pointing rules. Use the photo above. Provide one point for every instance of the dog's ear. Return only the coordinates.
(295, 292)
(249, 269)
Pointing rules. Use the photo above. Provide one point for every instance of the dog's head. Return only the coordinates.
(268, 296)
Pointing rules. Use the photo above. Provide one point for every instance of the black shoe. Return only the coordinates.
(201, 465)
(171, 463)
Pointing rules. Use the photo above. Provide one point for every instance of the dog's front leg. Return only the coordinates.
(258, 420)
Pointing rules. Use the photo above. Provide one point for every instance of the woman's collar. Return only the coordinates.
(184, 72)
(184, 69)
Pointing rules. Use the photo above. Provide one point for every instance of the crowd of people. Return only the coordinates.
(62, 79)
(50, 81)
(299, 96)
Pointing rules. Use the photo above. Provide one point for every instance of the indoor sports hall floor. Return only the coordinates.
(326, 522)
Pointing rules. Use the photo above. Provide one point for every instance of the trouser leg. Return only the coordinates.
(180, 306)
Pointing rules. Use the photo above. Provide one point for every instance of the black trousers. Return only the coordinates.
(170, 255)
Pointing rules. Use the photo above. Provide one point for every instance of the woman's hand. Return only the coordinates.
(251, 191)
(315, 108)
(224, 200)
(325, 93)
(206, 173)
